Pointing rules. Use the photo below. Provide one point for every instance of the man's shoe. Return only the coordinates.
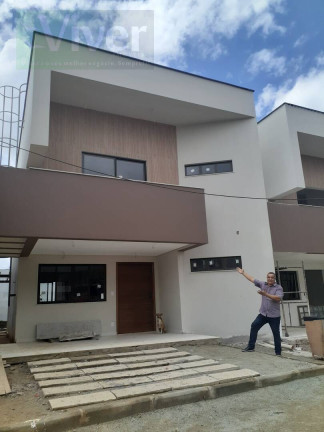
(278, 355)
(247, 349)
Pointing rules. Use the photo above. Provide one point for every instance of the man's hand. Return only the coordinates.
(270, 296)
(247, 276)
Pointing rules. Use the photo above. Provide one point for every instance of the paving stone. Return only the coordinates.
(148, 357)
(85, 399)
(47, 362)
(189, 358)
(174, 374)
(204, 362)
(233, 375)
(75, 388)
(100, 369)
(195, 381)
(91, 363)
(159, 350)
(53, 368)
(63, 381)
(142, 390)
(126, 354)
(53, 375)
(125, 382)
(216, 368)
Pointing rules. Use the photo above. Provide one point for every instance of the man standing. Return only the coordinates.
(269, 312)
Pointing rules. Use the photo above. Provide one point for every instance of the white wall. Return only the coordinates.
(4, 289)
(169, 293)
(283, 172)
(29, 313)
(223, 303)
(11, 323)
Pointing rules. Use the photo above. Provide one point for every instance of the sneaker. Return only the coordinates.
(247, 349)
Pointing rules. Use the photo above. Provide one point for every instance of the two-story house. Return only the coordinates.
(292, 143)
(133, 195)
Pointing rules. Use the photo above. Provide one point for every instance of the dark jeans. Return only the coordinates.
(259, 322)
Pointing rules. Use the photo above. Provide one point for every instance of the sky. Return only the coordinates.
(275, 47)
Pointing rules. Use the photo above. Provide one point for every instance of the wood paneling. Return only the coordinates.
(135, 297)
(75, 130)
(313, 172)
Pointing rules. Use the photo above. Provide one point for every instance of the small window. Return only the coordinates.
(212, 264)
(209, 168)
(113, 166)
(71, 283)
(289, 282)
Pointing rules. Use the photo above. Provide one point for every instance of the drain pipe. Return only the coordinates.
(283, 308)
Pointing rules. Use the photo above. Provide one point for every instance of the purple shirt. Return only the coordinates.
(269, 308)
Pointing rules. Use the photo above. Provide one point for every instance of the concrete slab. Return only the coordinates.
(142, 352)
(100, 369)
(37, 363)
(48, 375)
(147, 357)
(85, 399)
(63, 381)
(125, 382)
(142, 390)
(91, 363)
(233, 375)
(216, 368)
(134, 373)
(74, 388)
(174, 374)
(199, 363)
(53, 368)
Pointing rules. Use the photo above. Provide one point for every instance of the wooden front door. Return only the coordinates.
(135, 297)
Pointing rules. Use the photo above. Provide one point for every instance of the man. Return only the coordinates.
(271, 294)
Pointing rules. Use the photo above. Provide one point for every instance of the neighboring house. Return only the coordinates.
(292, 144)
(135, 220)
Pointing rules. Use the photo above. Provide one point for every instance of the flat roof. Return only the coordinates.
(292, 105)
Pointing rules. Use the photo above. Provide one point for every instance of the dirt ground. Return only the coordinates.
(26, 402)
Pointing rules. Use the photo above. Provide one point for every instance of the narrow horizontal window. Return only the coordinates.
(113, 166)
(209, 168)
(71, 283)
(213, 264)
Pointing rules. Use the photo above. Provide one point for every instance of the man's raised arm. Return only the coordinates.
(247, 276)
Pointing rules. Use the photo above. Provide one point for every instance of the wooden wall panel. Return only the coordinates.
(313, 172)
(75, 130)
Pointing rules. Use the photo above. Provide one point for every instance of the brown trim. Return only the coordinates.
(29, 246)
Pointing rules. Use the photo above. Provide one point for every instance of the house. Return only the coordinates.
(292, 144)
(127, 198)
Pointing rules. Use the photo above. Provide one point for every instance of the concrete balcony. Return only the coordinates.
(296, 228)
(42, 204)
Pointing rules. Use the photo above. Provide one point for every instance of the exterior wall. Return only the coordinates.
(76, 130)
(170, 302)
(223, 303)
(313, 169)
(281, 161)
(29, 313)
(4, 289)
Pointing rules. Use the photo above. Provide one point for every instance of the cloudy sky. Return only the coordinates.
(272, 46)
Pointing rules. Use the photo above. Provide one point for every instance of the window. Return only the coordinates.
(209, 168)
(113, 166)
(212, 264)
(71, 283)
(289, 282)
(313, 197)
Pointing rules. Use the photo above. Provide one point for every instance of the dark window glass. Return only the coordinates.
(113, 166)
(289, 283)
(219, 263)
(100, 165)
(224, 167)
(209, 168)
(71, 283)
(314, 197)
(130, 169)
